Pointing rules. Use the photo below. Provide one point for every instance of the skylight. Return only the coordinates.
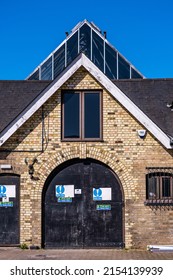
(87, 38)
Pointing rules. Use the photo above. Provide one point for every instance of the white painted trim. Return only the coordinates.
(40, 100)
(82, 60)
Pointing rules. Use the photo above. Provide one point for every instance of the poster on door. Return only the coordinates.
(64, 191)
(7, 192)
(102, 194)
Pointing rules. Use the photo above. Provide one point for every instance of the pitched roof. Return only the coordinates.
(15, 96)
(116, 89)
(152, 96)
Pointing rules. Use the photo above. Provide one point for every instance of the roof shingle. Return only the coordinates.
(15, 96)
(152, 97)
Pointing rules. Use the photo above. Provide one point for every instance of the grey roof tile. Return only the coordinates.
(152, 97)
(15, 96)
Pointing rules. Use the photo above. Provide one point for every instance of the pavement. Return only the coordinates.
(11, 253)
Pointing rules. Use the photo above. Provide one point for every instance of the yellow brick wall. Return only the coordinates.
(121, 149)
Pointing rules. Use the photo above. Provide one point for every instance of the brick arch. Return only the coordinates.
(98, 154)
(118, 167)
(47, 167)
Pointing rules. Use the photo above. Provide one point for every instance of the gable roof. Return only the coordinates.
(111, 87)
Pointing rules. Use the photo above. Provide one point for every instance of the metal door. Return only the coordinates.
(92, 217)
(9, 209)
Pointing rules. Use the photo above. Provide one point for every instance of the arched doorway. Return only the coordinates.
(82, 206)
(9, 209)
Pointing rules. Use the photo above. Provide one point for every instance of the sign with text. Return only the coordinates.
(102, 194)
(103, 207)
(7, 191)
(64, 190)
(6, 204)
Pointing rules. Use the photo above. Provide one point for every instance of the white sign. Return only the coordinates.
(5, 199)
(7, 191)
(102, 194)
(78, 191)
(64, 190)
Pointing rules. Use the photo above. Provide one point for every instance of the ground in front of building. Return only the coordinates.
(82, 254)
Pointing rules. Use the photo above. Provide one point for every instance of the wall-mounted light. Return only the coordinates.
(31, 167)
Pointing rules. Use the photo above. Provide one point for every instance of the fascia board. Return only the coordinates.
(40, 100)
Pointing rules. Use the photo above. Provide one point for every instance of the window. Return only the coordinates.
(159, 186)
(81, 115)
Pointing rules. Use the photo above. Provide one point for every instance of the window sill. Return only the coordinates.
(159, 202)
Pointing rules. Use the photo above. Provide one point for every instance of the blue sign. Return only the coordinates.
(6, 204)
(3, 191)
(103, 207)
(97, 194)
(65, 199)
(60, 191)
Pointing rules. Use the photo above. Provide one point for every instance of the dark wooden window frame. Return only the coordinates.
(158, 198)
(81, 119)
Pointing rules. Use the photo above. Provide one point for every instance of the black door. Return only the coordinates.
(92, 216)
(9, 209)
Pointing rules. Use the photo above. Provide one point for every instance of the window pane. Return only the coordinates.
(135, 74)
(35, 76)
(71, 115)
(59, 61)
(111, 62)
(72, 47)
(92, 115)
(123, 68)
(166, 187)
(97, 56)
(46, 70)
(151, 187)
(85, 40)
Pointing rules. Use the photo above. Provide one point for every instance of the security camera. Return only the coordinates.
(142, 133)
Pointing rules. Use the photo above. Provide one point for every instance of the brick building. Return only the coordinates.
(86, 151)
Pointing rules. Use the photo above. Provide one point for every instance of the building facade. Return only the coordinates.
(86, 156)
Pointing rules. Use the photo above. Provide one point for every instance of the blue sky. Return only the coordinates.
(140, 30)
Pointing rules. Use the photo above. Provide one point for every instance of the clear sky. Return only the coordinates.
(142, 31)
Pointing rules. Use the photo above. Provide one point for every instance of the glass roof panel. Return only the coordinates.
(72, 48)
(97, 51)
(110, 62)
(34, 76)
(46, 70)
(123, 68)
(135, 74)
(59, 61)
(85, 40)
(95, 46)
